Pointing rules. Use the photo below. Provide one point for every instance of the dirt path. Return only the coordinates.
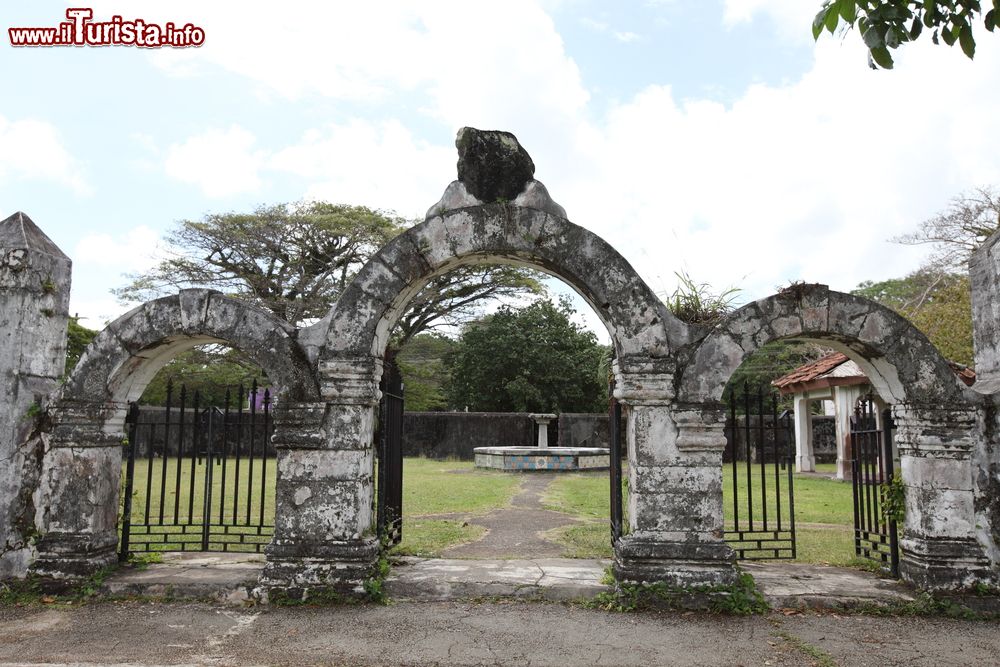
(516, 530)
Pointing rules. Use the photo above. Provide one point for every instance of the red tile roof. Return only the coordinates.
(811, 371)
(817, 369)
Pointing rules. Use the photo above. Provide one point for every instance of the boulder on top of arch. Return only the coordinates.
(898, 358)
(146, 337)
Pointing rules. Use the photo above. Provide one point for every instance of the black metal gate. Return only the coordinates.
(759, 498)
(615, 440)
(872, 466)
(197, 475)
(389, 510)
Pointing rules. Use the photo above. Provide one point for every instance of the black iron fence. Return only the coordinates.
(389, 509)
(759, 512)
(875, 489)
(200, 478)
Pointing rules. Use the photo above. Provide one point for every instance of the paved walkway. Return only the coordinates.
(517, 531)
(231, 577)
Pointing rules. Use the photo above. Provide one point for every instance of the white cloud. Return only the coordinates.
(220, 162)
(626, 37)
(800, 181)
(379, 165)
(793, 18)
(472, 61)
(136, 251)
(32, 149)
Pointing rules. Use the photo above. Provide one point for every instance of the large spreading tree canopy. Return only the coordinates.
(296, 259)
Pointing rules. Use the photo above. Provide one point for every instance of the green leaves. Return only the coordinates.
(887, 24)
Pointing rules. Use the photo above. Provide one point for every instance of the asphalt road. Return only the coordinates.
(452, 633)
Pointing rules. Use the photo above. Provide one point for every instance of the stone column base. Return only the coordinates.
(945, 564)
(65, 560)
(329, 570)
(645, 559)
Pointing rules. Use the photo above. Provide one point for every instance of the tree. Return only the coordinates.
(422, 364)
(772, 361)
(954, 234)
(210, 370)
(937, 298)
(939, 304)
(886, 24)
(296, 259)
(530, 360)
(78, 337)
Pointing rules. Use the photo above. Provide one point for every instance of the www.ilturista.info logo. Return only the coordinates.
(81, 30)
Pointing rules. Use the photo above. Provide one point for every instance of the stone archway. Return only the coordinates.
(524, 227)
(82, 465)
(935, 414)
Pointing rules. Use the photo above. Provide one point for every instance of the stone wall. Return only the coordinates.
(453, 435)
(824, 438)
(578, 429)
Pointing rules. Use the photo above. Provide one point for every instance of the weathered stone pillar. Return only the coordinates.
(939, 548)
(34, 300)
(323, 534)
(984, 275)
(675, 488)
(79, 492)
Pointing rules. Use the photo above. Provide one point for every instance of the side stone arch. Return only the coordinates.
(903, 366)
(934, 414)
(126, 355)
(79, 489)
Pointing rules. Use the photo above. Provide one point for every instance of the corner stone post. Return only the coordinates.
(675, 489)
(939, 548)
(324, 540)
(35, 280)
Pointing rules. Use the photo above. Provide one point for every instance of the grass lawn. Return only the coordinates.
(448, 487)
(445, 487)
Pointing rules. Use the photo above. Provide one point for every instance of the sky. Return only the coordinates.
(712, 137)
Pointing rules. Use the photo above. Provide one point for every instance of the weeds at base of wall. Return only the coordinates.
(926, 604)
(741, 598)
(29, 591)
